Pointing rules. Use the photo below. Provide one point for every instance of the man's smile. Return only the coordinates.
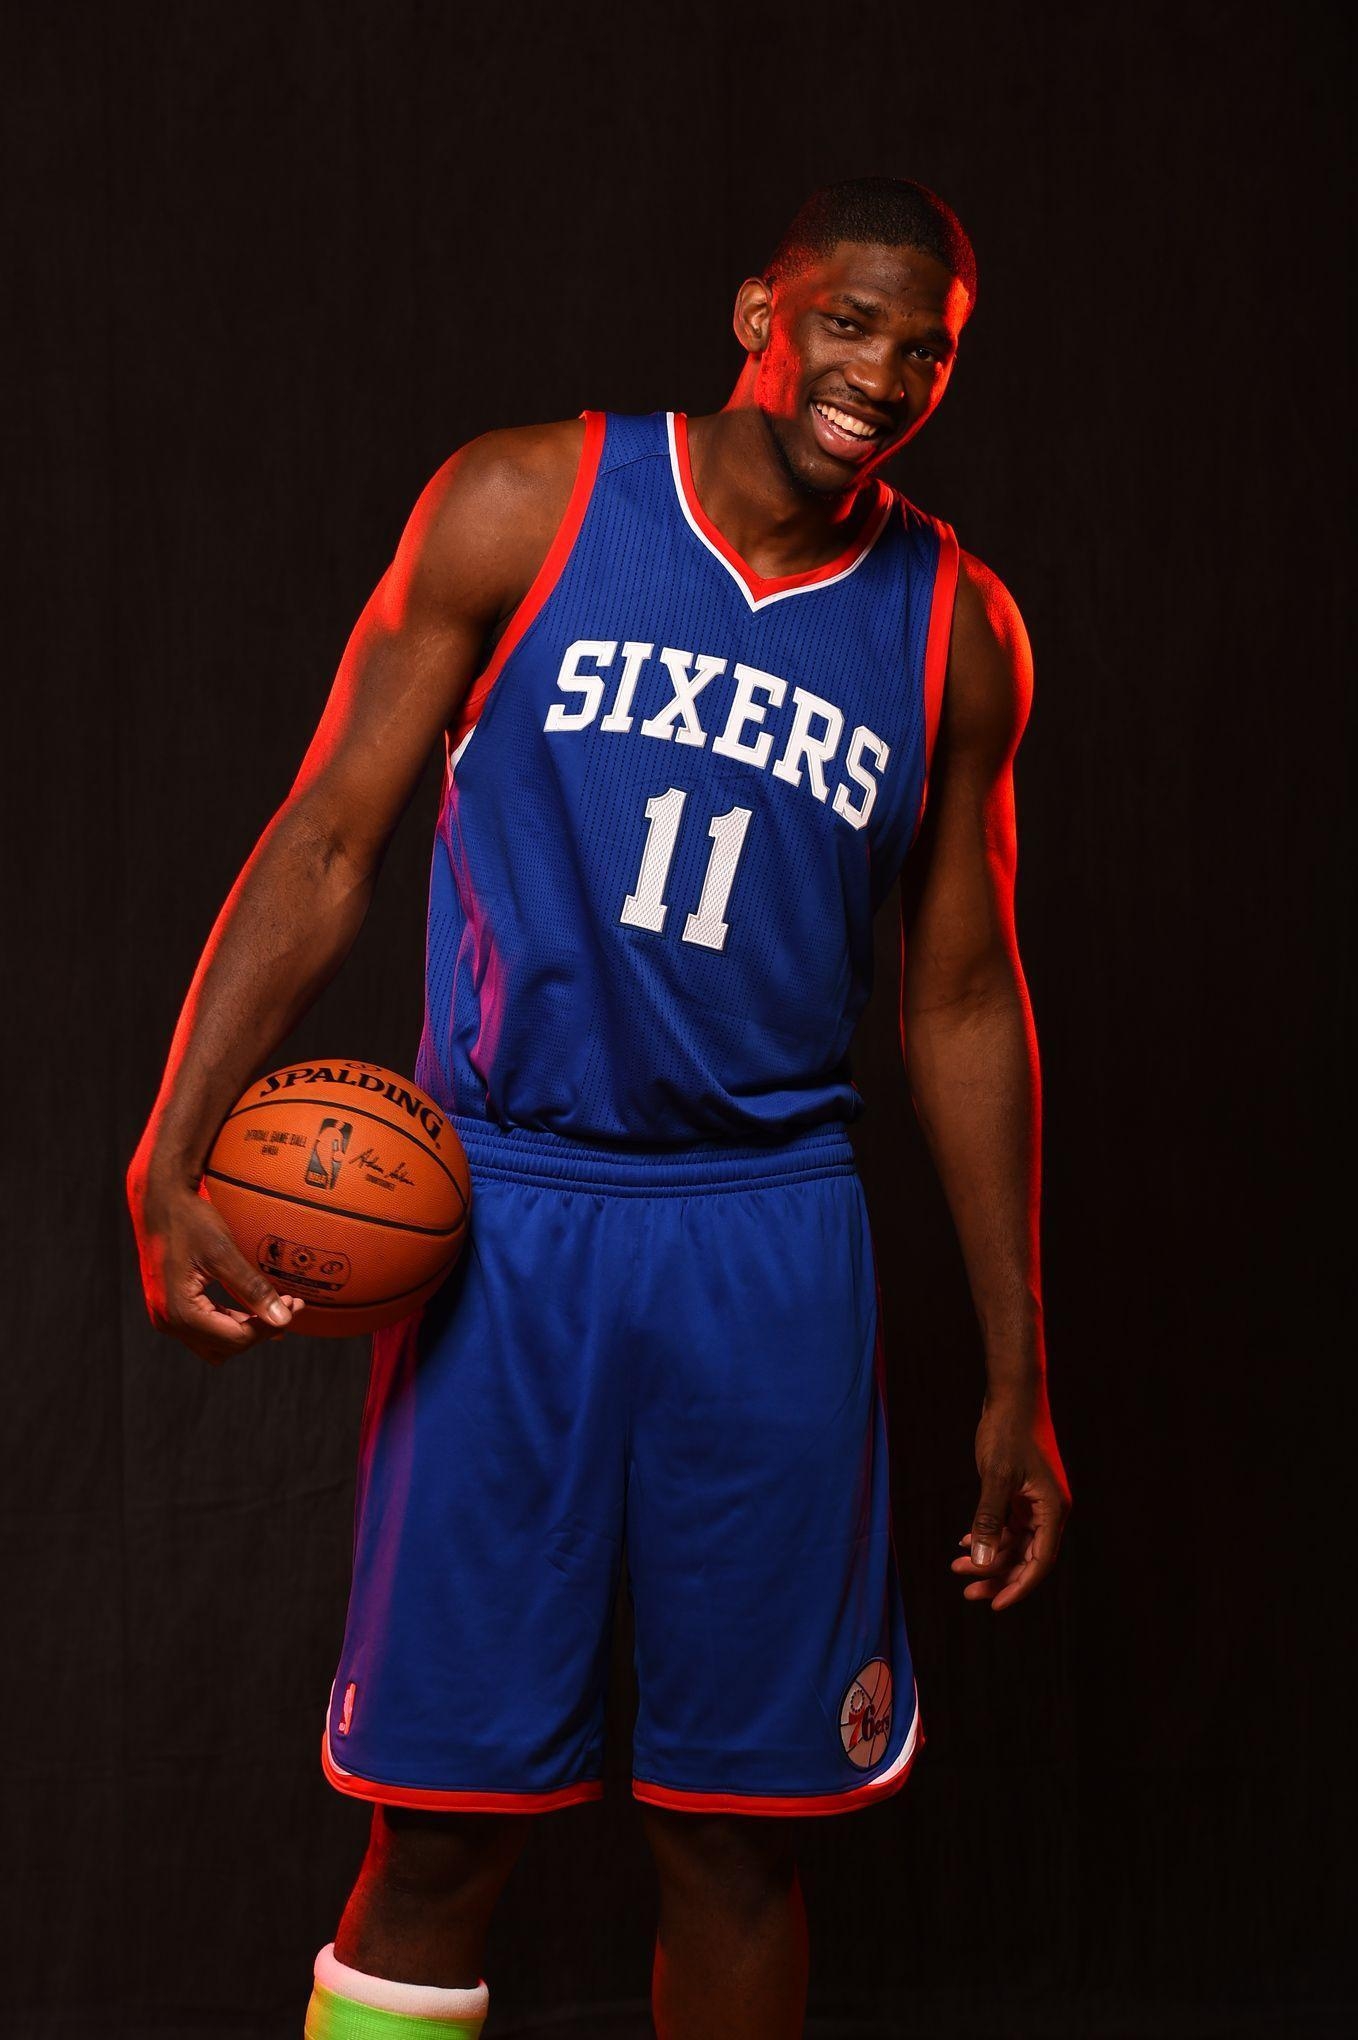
(845, 434)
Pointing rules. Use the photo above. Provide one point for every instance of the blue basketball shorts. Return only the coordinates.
(672, 1354)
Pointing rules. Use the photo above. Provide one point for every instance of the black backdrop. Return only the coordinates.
(270, 263)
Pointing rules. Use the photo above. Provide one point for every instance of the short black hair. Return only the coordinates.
(888, 212)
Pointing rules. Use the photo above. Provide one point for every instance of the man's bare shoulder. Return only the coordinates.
(990, 664)
(521, 465)
(486, 518)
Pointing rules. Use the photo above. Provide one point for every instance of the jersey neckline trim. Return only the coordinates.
(759, 589)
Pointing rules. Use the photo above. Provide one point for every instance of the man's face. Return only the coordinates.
(852, 356)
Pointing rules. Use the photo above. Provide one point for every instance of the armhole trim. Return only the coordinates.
(544, 581)
(939, 638)
(936, 645)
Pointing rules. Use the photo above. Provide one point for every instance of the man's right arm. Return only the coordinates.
(471, 549)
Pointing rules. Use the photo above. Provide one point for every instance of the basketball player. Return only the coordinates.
(696, 678)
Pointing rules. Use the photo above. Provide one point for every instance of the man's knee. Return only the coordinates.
(737, 1860)
(443, 1857)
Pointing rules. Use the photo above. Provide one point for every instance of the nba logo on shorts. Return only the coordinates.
(865, 1715)
(347, 1713)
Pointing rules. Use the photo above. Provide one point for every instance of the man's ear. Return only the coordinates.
(753, 314)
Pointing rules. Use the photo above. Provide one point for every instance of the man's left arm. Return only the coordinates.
(972, 1065)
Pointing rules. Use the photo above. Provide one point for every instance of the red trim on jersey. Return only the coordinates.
(787, 1808)
(454, 1802)
(936, 663)
(758, 585)
(546, 578)
(940, 634)
(935, 671)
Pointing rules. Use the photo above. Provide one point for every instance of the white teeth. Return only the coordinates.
(844, 421)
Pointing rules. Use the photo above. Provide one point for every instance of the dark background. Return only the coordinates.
(266, 266)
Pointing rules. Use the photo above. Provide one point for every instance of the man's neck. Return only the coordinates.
(748, 492)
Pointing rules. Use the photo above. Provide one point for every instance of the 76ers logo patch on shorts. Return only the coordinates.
(865, 1715)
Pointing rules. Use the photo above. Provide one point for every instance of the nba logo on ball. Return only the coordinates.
(865, 1715)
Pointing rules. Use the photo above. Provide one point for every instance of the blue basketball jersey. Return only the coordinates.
(673, 801)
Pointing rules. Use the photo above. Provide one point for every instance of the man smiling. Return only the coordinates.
(696, 679)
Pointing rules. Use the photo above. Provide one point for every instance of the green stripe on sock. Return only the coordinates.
(329, 2017)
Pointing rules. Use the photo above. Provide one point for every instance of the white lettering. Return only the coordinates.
(817, 751)
(589, 686)
(687, 687)
(863, 739)
(745, 709)
(812, 742)
(619, 716)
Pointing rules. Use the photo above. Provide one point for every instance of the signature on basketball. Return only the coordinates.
(369, 1163)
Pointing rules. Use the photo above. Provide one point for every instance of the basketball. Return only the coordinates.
(347, 1186)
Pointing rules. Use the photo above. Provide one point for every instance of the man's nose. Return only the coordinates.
(875, 378)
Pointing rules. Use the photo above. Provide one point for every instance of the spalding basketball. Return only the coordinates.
(347, 1186)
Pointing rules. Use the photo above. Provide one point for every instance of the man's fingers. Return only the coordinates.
(250, 1286)
(1007, 1567)
(264, 1334)
(216, 1332)
(211, 1333)
(970, 1565)
(235, 1329)
(1029, 1577)
(191, 1252)
(1040, 1556)
(294, 1305)
(1024, 1578)
(1023, 1557)
(991, 1518)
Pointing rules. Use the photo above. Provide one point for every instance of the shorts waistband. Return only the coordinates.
(528, 1155)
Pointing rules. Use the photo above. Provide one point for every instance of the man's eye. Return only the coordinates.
(844, 325)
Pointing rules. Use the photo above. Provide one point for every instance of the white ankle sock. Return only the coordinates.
(416, 2000)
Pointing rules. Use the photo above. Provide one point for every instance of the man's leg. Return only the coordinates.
(422, 1905)
(474, 1669)
(731, 1953)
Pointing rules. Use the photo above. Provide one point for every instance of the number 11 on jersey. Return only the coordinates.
(646, 906)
